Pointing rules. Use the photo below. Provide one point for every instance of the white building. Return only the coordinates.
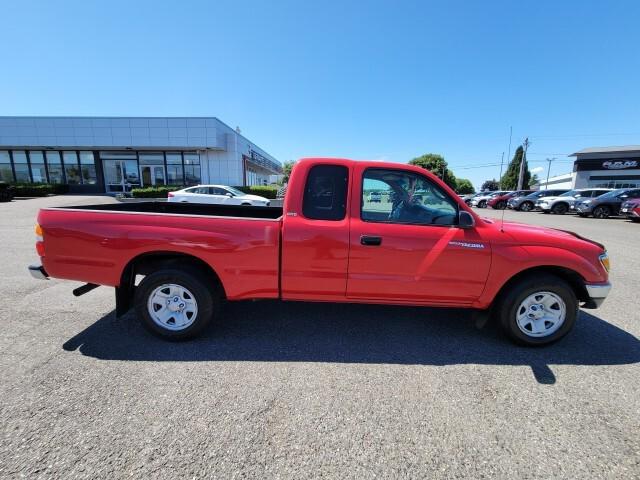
(605, 167)
(112, 154)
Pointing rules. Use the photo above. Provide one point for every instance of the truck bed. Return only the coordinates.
(95, 243)
(237, 211)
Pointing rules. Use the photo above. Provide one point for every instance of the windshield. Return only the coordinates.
(571, 193)
(613, 193)
(235, 191)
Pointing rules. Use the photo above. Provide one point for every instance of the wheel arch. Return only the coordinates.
(573, 278)
(148, 262)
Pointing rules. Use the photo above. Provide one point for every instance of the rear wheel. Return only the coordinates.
(176, 304)
(501, 205)
(601, 211)
(526, 206)
(560, 208)
(538, 310)
(482, 204)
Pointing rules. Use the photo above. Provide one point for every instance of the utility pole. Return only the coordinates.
(525, 145)
(548, 170)
(510, 135)
(500, 177)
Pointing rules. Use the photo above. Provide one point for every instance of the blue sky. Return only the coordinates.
(383, 80)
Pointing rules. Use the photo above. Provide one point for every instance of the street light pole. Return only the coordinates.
(549, 170)
(525, 145)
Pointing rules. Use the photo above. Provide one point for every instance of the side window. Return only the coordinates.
(217, 191)
(396, 196)
(325, 194)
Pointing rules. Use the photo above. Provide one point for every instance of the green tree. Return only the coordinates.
(286, 170)
(509, 180)
(437, 165)
(490, 185)
(464, 186)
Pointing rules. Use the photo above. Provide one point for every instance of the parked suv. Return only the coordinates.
(607, 204)
(528, 203)
(567, 201)
(481, 201)
(499, 202)
(631, 209)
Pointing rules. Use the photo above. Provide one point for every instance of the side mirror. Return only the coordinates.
(229, 194)
(466, 220)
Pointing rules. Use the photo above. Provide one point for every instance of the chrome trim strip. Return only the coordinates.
(598, 291)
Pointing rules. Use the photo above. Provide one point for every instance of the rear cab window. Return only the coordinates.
(325, 193)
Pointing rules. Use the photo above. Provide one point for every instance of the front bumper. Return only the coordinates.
(38, 271)
(597, 292)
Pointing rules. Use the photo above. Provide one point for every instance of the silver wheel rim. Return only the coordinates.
(541, 314)
(172, 307)
(526, 206)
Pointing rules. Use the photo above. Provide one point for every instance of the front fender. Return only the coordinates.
(509, 261)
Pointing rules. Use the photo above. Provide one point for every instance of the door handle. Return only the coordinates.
(371, 240)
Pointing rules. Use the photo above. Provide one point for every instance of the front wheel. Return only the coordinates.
(175, 304)
(601, 212)
(560, 208)
(526, 206)
(501, 205)
(538, 310)
(482, 204)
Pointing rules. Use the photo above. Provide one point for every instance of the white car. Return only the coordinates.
(217, 194)
(566, 202)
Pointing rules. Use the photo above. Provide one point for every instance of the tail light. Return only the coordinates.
(39, 240)
(170, 194)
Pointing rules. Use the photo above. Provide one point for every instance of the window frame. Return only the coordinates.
(455, 204)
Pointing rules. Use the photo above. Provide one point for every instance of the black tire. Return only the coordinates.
(526, 206)
(509, 302)
(601, 211)
(560, 208)
(635, 219)
(501, 205)
(205, 294)
(482, 204)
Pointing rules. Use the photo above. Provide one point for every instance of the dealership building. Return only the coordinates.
(116, 154)
(605, 167)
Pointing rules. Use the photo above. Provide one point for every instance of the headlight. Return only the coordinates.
(586, 202)
(604, 260)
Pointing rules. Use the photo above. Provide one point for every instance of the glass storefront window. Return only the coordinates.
(88, 168)
(21, 166)
(192, 168)
(55, 167)
(38, 171)
(71, 169)
(6, 174)
(174, 169)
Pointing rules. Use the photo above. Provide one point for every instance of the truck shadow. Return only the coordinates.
(272, 331)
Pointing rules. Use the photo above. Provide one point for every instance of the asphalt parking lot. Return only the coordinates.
(312, 390)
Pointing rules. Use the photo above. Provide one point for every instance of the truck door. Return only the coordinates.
(407, 247)
(315, 233)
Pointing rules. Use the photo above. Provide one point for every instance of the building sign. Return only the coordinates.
(617, 165)
(607, 164)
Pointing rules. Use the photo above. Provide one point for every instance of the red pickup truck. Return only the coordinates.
(419, 245)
